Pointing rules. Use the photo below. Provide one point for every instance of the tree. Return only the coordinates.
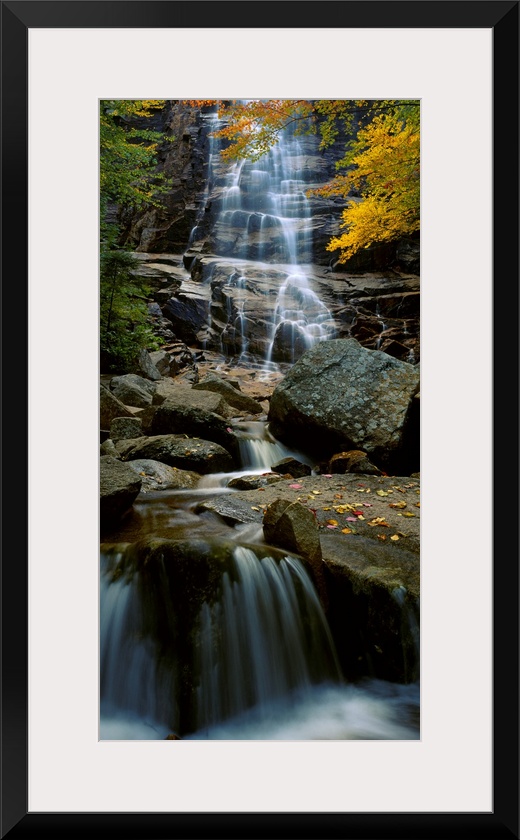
(380, 183)
(384, 169)
(128, 179)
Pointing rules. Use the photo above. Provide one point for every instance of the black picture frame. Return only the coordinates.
(17, 17)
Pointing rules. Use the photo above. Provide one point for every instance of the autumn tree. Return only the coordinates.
(378, 177)
(383, 169)
(128, 180)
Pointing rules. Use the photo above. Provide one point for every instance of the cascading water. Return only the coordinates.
(215, 635)
(264, 219)
(211, 636)
(261, 637)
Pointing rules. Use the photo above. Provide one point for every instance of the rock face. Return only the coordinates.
(228, 239)
(340, 395)
(119, 486)
(294, 527)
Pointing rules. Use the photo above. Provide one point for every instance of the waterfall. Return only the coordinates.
(263, 219)
(264, 639)
(260, 637)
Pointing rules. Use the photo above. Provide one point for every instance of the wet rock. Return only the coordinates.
(174, 418)
(192, 454)
(232, 511)
(119, 486)
(291, 466)
(294, 527)
(158, 476)
(253, 482)
(354, 461)
(373, 606)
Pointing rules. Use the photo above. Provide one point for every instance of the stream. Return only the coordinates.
(247, 652)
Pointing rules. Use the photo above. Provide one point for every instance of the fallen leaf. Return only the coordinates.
(379, 520)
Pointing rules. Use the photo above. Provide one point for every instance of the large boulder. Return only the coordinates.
(374, 606)
(176, 419)
(193, 454)
(119, 485)
(341, 396)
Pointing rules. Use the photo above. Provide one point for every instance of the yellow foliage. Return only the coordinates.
(386, 171)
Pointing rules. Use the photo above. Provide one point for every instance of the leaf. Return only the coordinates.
(379, 520)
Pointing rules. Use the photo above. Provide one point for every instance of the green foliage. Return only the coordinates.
(124, 327)
(127, 165)
(128, 178)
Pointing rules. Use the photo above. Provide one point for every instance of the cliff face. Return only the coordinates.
(196, 181)
(237, 252)
(191, 216)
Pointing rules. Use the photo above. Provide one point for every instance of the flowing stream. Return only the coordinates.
(224, 637)
(259, 650)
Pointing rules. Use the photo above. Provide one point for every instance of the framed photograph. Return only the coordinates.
(62, 773)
